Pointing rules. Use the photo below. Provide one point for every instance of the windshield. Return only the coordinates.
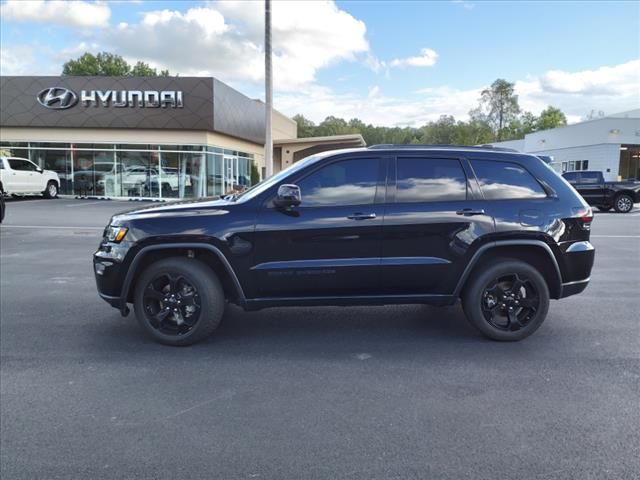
(264, 185)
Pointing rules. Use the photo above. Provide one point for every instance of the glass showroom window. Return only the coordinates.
(57, 159)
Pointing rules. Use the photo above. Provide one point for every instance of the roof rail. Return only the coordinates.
(409, 146)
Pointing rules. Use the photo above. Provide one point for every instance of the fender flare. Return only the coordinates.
(126, 287)
(507, 243)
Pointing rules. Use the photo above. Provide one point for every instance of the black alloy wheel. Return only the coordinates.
(510, 302)
(171, 303)
(506, 300)
(179, 301)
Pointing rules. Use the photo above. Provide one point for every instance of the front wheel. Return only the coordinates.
(178, 301)
(623, 203)
(52, 190)
(507, 301)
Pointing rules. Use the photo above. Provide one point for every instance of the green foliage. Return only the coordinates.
(108, 64)
(551, 117)
(498, 107)
(255, 174)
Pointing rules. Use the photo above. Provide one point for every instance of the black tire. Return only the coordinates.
(192, 280)
(489, 294)
(604, 209)
(52, 190)
(623, 203)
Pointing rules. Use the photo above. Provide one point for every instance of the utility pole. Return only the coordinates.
(268, 142)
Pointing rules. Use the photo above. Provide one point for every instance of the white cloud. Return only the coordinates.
(16, 60)
(611, 89)
(427, 58)
(75, 14)
(464, 4)
(427, 104)
(225, 39)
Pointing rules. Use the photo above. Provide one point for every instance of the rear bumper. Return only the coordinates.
(573, 288)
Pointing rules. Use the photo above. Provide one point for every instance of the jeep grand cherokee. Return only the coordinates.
(386, 224)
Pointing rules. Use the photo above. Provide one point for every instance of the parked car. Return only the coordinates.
(370, 226)
(2, 206)
(605, 195)
(19, 176)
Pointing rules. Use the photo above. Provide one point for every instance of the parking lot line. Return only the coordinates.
(44, 227)
(615, 236)
(84, 204)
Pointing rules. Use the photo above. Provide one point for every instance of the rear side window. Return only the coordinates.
(504, 180)
(430, 180)
(590, 177)
(570, 177)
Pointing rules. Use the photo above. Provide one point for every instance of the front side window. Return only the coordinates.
(504, 180)
(17, 164)
(430, 180)
(347, 182)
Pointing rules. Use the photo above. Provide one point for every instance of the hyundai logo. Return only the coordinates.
(57, 98)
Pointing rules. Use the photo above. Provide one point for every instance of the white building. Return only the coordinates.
(610, 144)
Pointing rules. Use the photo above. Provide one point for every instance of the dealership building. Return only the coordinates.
(160, 137)
(610, 144)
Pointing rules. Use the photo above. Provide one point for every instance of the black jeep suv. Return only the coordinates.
(380, 225)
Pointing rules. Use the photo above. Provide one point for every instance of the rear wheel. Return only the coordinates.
(507, 301)
(52, 190)
(623, 203)
(179, 301)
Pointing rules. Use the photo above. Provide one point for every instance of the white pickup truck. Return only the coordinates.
(20, 176)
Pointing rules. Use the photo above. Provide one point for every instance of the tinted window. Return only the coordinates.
(19, 165)
(503, 180)
(590, 177)
(430, 180)
(348, 182)
(570, 177)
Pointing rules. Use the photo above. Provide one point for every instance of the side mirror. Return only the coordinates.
(288, 196)
(39, 170)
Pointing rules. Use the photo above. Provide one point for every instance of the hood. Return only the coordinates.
(185, 207)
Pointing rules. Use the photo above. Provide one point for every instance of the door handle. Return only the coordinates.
(467, 212)
(361, 216)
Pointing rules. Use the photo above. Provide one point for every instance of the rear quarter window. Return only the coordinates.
(506, 180)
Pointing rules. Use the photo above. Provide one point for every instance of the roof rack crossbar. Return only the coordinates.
(414, 146)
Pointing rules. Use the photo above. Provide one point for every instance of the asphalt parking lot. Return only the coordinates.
(406, 392)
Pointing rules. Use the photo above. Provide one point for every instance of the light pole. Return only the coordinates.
(268, 142)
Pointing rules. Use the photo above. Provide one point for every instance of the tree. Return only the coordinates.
(498, 106)
(108, 64)
(473, 132)
(440, 132)
(255, 174)
(306, 127)
(551, 117)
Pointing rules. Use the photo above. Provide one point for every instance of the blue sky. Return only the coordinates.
(389, 63)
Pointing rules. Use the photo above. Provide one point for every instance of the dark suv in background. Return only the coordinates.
(371, 226)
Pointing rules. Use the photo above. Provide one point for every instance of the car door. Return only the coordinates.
(18, 177)
(432, 217)
(330, 244)
(35, 178)
(590, 186)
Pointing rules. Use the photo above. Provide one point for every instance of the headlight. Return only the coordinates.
(115, 234)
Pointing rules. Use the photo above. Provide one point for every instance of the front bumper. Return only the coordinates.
(109, 274)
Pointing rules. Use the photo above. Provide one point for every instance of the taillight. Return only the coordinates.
(585, 215)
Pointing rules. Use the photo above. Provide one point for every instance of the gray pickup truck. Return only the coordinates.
(605, 195)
